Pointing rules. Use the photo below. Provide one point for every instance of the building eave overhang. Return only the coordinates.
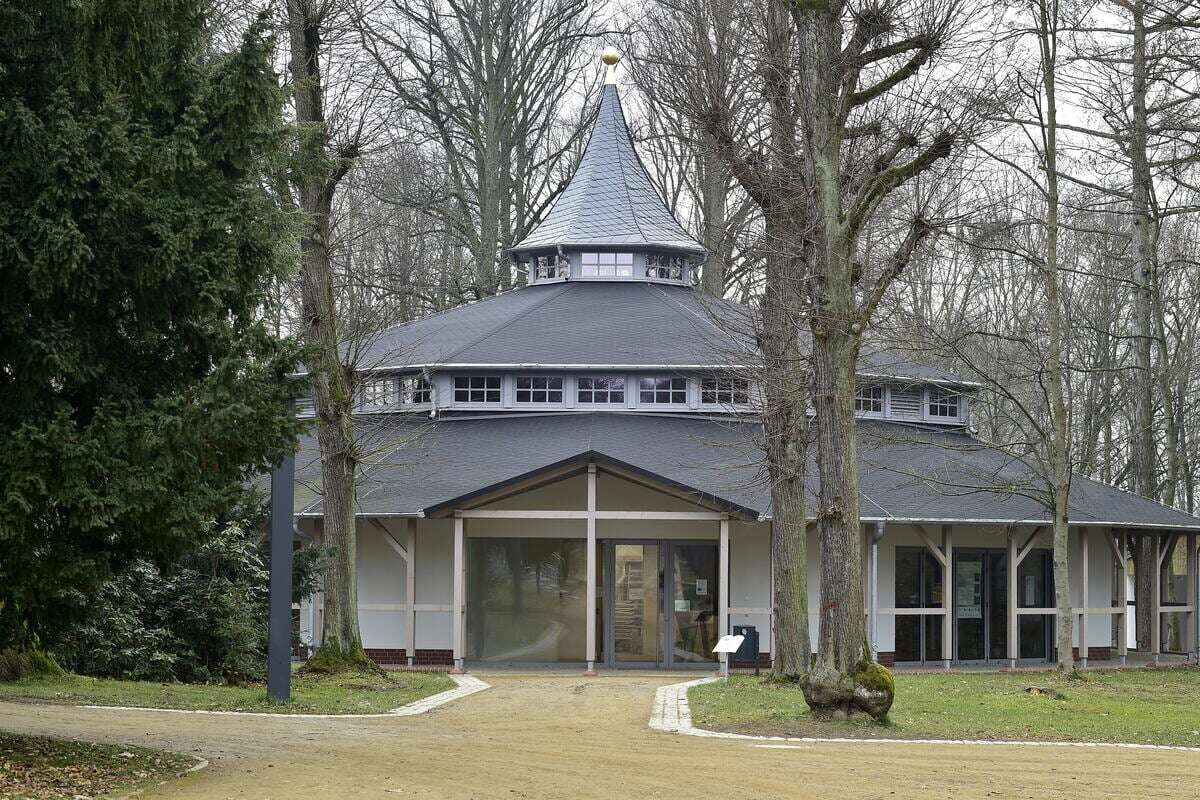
(562, 469)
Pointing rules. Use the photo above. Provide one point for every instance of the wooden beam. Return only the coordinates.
(1028, 546)
(591, 569)
(488, 513)
(460, 544)
(933, 548)
(1014, 641)
(1084, 575)
(723, 586)
(390, 539)
(1122, 594)
(1156, 600)
(948, 597)
(1191, 636)
(410, 592)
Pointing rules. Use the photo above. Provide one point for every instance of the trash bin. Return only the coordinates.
(748, 652)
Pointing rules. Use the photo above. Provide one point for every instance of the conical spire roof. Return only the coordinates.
(610, 201)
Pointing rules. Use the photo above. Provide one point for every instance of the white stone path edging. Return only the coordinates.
(467, 685)
(672, 714)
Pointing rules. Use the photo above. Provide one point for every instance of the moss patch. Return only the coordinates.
(344, 693)
(40, 768)
(1143, 706)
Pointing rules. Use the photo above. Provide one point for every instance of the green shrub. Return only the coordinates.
(201, 619)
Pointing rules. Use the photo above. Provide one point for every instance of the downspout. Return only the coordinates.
(876, 535)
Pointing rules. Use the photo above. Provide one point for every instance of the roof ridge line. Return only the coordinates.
(549, 296)
(624, 181)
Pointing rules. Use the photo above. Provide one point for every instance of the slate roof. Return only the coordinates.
(907, 473)
(621, 323)
(610, 201)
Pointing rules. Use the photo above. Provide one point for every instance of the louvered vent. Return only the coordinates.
(906, 404)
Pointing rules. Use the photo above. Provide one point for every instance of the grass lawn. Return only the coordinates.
(311, 694)
(1145, 706)
(42, 768)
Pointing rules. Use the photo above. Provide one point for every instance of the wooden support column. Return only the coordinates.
(1120, 561)
(948, 597)
(873, 598)
(1084, 576)
(460, 547)
(1014, 639)
(1156, 599)
(1192, 635)
(591, 570)
(723, 590)
(410, 592)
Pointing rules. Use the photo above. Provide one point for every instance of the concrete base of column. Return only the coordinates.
(1012, 663)
(590, 672)
(458, 669)
(412, 662)
(1083, 663)
(946, 664)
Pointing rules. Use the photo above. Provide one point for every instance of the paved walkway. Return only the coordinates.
(563, 736)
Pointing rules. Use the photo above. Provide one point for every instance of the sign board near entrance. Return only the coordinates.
(729, 644)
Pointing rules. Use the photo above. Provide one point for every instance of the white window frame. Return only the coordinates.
(929, 401)
(671, 390)
(375, 392)
(484, 378)
(666, 267)
(728, 389)
(619, 384)
(606, 264)
(883, 401)
(545, 390)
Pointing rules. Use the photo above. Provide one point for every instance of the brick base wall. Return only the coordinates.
(399, 656)
(764, 662)
(888, 659)
(1094, 653)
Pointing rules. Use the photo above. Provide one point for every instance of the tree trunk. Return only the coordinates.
(714, 200)
(1142, 444)
(331, 380)
(1059, 457)
(785, 418)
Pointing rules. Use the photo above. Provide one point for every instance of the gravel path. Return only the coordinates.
(562, 736)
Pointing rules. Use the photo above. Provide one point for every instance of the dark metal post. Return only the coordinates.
(279, 627)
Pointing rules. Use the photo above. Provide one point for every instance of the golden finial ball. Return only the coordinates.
(610, 56)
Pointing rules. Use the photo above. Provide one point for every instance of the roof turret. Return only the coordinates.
(610, 202)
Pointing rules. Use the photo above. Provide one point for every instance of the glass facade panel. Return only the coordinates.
(694, 601)
(918, 585)
(526, 600)
(637, 607)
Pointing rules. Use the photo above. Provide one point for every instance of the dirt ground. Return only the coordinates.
(565, 736)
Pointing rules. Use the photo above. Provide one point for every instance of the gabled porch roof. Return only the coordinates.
(419, 467)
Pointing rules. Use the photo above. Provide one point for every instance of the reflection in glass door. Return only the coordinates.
(694, 602)
(968, 605)
(660, 603)
(636, 607)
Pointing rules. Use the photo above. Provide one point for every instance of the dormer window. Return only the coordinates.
(664, 267)
(551, 267)
(539, 389)
(662, 391)
(386, 392)
(606, 265)
(869, 400)
(725, 391)
(600, 390)
(380, 392)
(944, 404)
(477, 388)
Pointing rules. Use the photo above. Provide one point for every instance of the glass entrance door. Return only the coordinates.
(694, 593)
(981, 605)
(635, 622)
(659, 602)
